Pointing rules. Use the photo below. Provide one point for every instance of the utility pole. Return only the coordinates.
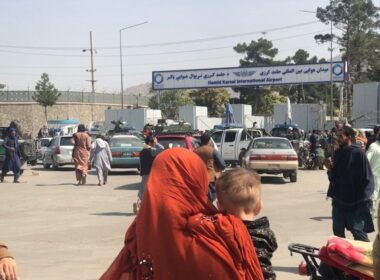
(92, 70)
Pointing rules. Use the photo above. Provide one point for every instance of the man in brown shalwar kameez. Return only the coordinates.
(82, 146)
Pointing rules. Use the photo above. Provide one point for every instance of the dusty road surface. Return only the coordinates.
(60, 231)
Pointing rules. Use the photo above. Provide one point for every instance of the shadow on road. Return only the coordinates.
(124, 172)
(115, 214)
(67, 184)
(320, 219)
(52, 185)
(62, 168)
(293, 270)
(272, 180)
(128, 187)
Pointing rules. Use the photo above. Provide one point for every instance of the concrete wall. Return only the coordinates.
(366, 104)
(205, 123)
(197, 117)
(31, 115)
(306, 116)
(241, 111)
(191, 114)
(137, 118)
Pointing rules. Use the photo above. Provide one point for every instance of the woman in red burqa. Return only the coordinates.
(179, 234)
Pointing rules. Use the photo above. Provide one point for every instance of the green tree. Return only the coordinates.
(46, 94)
(168, 102)
(309, 93)
(257, 53)
(215, 99)
(358, 21)
(270, 99)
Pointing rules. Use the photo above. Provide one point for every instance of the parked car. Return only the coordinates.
(178, 140)
(126, 151)
(272, 155)
(58, 152)
(41, 146)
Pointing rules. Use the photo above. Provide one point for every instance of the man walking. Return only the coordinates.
(151, 149)
(351, 188)
(214, 163)
(373, 138)
(12, 160)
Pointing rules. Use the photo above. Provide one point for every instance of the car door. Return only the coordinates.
(217, 138)
(66, 149)
(244, 140)
(229, 145)
(47, 156)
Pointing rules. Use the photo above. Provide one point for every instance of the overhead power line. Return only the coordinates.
(134, 65)
(208, 39)
(155, 53)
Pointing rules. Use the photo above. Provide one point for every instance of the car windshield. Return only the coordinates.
(286, 133)
(172, 142)
(271, 144)
(126, 142)
(45, 142)
(65, 141)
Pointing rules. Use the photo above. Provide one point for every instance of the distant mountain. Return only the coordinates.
(143, 89)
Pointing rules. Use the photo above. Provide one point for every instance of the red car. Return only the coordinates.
(178, 140)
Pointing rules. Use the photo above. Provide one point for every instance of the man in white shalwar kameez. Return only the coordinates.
(373, 155)
(102, 158)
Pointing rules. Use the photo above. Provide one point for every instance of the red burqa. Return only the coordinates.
(179, 234)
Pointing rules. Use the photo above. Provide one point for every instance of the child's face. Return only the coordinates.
(242, 213)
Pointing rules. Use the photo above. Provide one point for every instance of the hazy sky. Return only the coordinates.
(48, 36)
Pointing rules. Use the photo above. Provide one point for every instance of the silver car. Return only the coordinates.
(272, 155)
(58, 152)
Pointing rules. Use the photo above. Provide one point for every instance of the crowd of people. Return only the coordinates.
(177, 208)
(196, 218)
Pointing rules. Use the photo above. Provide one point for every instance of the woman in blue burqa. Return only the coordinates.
(12, 160)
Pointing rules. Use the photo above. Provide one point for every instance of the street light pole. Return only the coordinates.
(331, 62)
(121, 61)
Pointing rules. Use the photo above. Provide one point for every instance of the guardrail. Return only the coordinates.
(77, 97)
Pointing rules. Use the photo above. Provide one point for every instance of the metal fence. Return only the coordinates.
(77, 97)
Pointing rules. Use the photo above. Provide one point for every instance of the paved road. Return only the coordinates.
(57, 230)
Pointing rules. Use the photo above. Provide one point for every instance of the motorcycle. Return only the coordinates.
(308, 159)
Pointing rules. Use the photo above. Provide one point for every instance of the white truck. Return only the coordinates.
(231, 141)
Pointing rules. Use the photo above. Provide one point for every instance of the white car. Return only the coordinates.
(42, 145)
(272, 155)
(59, 152)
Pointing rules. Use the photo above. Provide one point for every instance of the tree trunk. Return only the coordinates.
(46, 118)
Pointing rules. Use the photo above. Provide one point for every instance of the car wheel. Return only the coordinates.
(45, 164)
(293, 177)
(55, 165)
